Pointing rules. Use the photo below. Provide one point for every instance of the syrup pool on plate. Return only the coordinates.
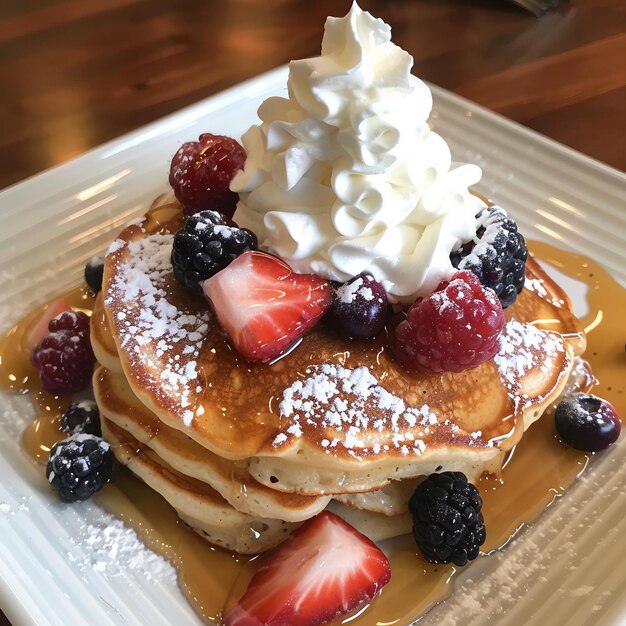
(509, 501)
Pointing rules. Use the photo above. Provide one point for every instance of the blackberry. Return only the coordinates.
(94, 270)
(447, 523)
(81, 417)
(206, 244)
(79, 466)
(497, 255)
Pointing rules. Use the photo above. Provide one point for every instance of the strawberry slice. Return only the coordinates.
(40, 329)
(324, 570)
(264, 306)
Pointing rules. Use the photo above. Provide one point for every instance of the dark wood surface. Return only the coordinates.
(76, 73)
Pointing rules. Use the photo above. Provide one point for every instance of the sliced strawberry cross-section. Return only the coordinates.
(324, 570)
(264, 306)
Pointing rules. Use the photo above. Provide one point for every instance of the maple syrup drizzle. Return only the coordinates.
(541, 469)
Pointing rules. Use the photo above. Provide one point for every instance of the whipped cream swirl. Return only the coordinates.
(345, 174)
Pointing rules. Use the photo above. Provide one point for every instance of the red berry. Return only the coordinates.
(201, 172)
(64, 357)
(452, 330)
(264, 306)
(40, 329)
(324, 570)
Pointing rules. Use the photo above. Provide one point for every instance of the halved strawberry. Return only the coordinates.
(263, 305)
(324, 570)
(40, 329)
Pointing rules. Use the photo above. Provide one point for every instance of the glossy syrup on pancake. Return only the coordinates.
(190, 377)
(510, 501)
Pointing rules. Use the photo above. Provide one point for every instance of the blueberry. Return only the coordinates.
(94, 271)
(359, 307)
(587, 422)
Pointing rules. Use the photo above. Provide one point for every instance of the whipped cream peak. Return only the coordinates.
(345, 174)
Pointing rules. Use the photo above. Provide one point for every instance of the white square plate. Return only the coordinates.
(569, 564)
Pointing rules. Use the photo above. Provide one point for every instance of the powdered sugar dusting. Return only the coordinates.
(116, 244)
(147, 319)
(356, 288)
(523, 347)
(490, 220)
(107, 546)
(461, 292)
(355, 414)
(536, 285)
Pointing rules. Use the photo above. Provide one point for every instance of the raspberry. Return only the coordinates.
(201, 172)
(79, 466)
(452, 330)
(448, 524)
(359, 307)
(206, 244)
(497, 255)
(81, 417)
(64, 357)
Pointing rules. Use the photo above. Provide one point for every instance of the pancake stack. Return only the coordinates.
(245, 452)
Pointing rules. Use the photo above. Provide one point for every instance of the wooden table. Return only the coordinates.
(75, 73)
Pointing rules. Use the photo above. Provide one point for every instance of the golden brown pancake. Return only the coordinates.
(230, 479)
(195, 502)
(217, 521)
(334, 415)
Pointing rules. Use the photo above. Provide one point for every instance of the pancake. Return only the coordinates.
(204, 509)
(390, 500)
(214, 519)
(230, 479)
(120, 407)
(397, 424)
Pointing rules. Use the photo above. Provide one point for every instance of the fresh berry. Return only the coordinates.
(206, 244)
(447, 523)
(324, 570)
(497, 255)
(264, 306)
(359, 307)
(64, 357)
(40, 329)
(587, 422)
(452, 330)
(81, 417)
(201, 172)
(79, 466)
(94, 270)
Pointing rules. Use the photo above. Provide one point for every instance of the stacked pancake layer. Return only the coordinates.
(245, 452)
